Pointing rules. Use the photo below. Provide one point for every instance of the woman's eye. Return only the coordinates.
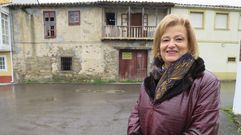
(165, 40)
(179, 39)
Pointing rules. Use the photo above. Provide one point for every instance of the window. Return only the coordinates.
(49, 24)
(197, 19)
(5, 30)
(221, 21)
(3, 63)
(66, 63)
(110, 18)
(74, 17)
(239, 26)
(231, 59)
(124, 20)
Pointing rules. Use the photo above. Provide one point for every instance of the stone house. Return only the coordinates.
(84, 40)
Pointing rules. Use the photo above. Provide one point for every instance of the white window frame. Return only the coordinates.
(203, 21)
(8, 28)
(227, 23)
(5, 62)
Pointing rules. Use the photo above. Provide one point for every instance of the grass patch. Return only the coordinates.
(77, 81)
(130, 81)
(233, 118)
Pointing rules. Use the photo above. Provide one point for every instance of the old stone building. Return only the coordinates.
(84, 40)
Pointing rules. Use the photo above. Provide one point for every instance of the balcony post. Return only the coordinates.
(129, 21)
(142, 29)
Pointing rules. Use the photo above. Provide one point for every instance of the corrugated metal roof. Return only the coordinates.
(97, 3)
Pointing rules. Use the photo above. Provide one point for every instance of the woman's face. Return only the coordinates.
(173, 44)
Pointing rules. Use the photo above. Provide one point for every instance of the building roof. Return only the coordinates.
(143, 3)
(3, 2)
(192, 3)
(25, 1)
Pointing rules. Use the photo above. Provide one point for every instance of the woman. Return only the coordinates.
(179, 97)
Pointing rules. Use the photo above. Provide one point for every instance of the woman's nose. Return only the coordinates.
(172, 43)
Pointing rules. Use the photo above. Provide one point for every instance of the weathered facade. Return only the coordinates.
(84, 41)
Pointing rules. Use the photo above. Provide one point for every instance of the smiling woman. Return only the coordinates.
(173, 44)
(179, 97)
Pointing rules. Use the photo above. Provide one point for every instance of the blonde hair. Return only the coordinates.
(173, 20)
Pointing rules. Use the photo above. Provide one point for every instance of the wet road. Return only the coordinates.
(74, 109)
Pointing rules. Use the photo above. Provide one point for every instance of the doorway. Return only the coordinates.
(132, 64)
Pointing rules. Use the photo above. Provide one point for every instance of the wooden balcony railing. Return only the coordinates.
(123, 32)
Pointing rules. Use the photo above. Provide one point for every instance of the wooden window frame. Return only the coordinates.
(69, 20)
(48, 31)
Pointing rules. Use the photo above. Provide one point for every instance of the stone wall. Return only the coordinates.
(90, 62)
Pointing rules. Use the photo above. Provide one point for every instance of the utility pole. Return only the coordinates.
(237, 94)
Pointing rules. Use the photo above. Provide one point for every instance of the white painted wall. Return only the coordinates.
(237, 95)
(215, 46)
(216, 56)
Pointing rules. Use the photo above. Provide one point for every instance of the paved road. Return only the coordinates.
(73, 109)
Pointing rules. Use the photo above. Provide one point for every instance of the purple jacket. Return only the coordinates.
(192, 111)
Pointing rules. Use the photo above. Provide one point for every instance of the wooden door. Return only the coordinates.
(141, 64)
(136, 25)
(132, 64)
(136, 19)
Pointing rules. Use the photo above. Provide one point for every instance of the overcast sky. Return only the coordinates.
(202, 2)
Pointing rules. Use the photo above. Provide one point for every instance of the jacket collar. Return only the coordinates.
(194, 72)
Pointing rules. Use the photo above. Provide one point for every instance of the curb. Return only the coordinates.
(5, 84)
(236, 119)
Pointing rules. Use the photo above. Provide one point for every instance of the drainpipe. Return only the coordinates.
(12, 40)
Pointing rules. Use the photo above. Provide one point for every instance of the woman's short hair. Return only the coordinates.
(173, 20)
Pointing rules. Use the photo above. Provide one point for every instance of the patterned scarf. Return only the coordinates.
(176, 71)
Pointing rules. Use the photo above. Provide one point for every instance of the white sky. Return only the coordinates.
(201, 2)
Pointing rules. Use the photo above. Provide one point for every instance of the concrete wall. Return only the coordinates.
(217, 45)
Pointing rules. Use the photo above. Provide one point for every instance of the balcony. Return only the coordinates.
(113, 32)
